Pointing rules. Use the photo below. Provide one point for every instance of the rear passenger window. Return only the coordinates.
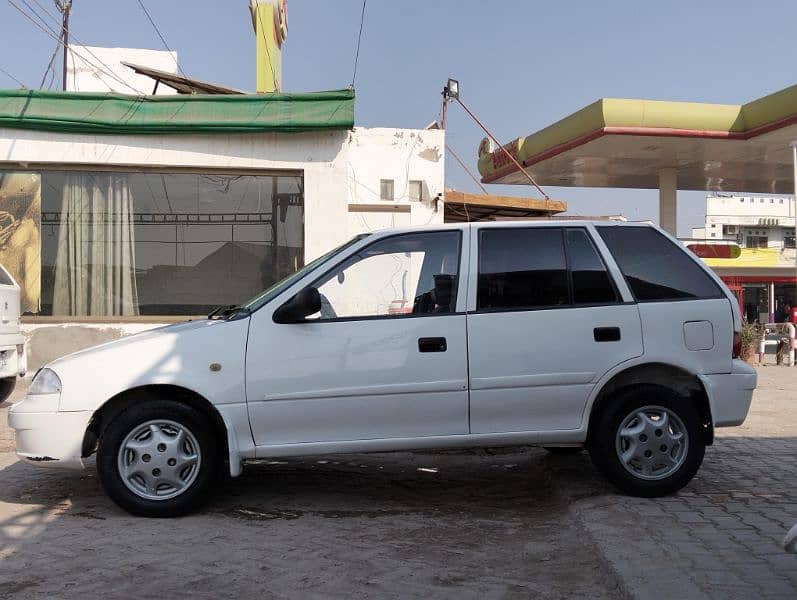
(591, 282)
(656, 268)
(521, 268)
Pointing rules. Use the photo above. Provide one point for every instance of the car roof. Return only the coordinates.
(511, 224)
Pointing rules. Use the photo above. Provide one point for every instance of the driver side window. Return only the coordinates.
(405, 274)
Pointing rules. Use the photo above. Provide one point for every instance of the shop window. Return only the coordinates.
(117, 244)
(788, 239)
(386, 190)
(757, 241)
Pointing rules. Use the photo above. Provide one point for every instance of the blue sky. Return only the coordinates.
(522, 64)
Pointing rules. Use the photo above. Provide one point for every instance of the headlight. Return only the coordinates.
(45, 382)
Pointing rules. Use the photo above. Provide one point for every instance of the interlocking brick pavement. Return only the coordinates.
(721, 536)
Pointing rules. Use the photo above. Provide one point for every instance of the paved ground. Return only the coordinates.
(498, 524)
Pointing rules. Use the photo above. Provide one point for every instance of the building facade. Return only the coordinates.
(750, 242)
(109, 233)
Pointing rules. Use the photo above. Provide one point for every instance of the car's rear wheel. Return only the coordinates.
(158, 459)
(648, 441)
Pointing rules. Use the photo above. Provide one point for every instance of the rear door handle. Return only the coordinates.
(432, 344)
(606, 334)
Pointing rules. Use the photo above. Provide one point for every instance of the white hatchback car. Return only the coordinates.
(563, 334)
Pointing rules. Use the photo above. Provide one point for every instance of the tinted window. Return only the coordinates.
(656, 268)
(521, 268)
(591, 282)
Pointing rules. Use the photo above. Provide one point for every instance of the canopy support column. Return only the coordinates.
(668, 188)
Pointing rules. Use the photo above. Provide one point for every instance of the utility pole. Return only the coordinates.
(65, 6)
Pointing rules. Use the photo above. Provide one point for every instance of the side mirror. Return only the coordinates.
(303, 304)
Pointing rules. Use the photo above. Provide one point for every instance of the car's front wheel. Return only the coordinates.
(158, 458)
(648, 441)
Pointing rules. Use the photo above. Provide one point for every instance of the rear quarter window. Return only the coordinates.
(5, 279)
(655, 267)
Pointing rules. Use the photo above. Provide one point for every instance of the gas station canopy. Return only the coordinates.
(640, 143)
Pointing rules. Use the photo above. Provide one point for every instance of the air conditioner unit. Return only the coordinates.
(730, 230)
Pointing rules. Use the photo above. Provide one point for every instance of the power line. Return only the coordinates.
(49, 31)
(359, 38)
(10, 76)
(462, 164)
(50, 65)
(67, 6)
(163, 40)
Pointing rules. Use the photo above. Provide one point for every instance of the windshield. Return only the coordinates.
(278, 287)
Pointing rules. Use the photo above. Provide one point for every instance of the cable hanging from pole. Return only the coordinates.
(10, 76)
(47, 29)
(467, 170)
(158, 31)
(451, 92)
(359, 39)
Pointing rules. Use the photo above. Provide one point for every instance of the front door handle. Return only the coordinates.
(432, 344)
(606, 334)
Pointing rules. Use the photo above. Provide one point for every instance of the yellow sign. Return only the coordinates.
(270, 21)
(756, 257)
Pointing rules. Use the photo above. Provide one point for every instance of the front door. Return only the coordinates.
(384, 358)
(548, 323)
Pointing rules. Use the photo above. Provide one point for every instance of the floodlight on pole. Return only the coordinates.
(451, 91)
(450, 94)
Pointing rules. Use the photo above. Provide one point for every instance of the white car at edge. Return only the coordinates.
(13, 359)
(567, 334)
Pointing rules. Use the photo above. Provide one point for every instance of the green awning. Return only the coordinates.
(81, 112)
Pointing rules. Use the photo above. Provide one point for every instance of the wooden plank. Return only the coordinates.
(397, 208)
(509, 202)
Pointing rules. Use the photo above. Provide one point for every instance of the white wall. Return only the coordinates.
(88, 69)
(401, 155)
(769, 216)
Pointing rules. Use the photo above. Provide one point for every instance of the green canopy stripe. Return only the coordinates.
(81, 112)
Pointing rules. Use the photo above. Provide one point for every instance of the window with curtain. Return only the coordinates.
(120, 244)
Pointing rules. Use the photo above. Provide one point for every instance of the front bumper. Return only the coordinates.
(730, 394)
(49, 439)
(12, 362)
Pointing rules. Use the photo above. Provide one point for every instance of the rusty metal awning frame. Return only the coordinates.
(461, 207)
(183, 85)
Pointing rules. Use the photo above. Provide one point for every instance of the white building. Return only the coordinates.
(750, 221)
(111, 228)
(750, 242)
(96, 69)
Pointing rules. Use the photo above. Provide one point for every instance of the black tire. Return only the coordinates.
(134, 417)
(602, 442)
(7, 385)
(563, 450)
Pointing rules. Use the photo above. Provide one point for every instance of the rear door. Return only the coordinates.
(545, 322)
(687, 316)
